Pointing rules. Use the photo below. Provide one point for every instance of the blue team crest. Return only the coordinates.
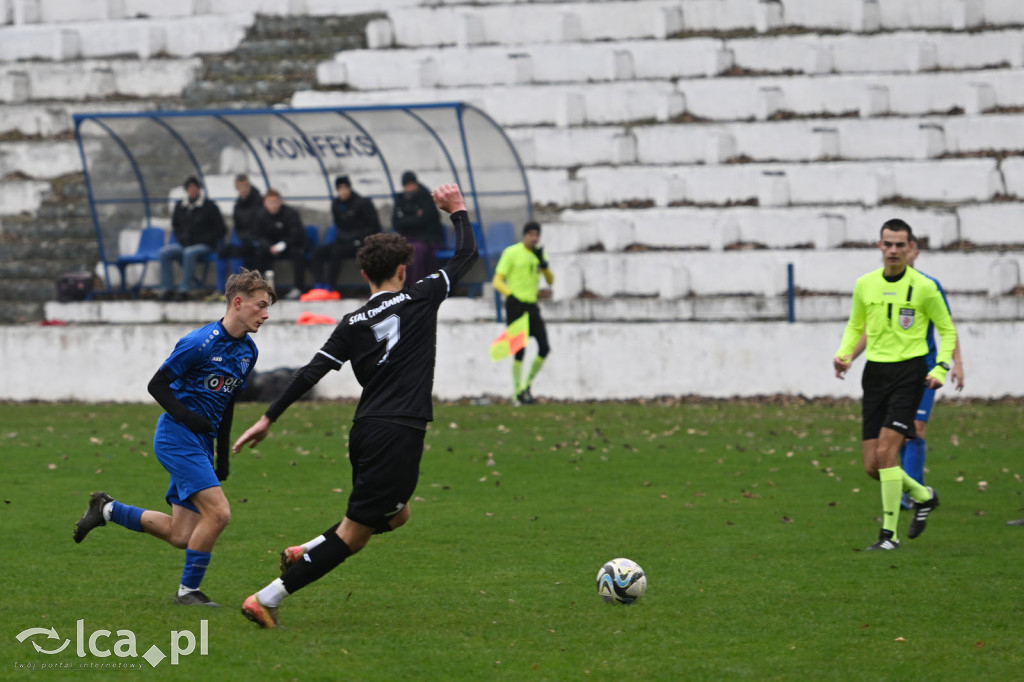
(906, 317)
(245, 364)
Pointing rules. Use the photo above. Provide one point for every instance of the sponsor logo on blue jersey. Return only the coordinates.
(218, 382)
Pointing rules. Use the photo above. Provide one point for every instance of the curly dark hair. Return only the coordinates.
(381, 255)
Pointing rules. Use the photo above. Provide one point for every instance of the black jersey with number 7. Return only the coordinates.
(391, 342)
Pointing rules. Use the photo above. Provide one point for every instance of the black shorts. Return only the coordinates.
(385, 460)
(892, 392)
(514, 309)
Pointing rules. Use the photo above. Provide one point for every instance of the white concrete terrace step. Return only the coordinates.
(1000, 224)
(43, 160)
(579, 21)
(674, 58)
(676, 274)
(63, 11)
(819, 227)
(143, 38)
(820, 308)
(536, 23)
(813, 139)
(95, 79)
(22, 196)
(1013, 173)
(55, 118)
(716, 99)
(862, 183)
(456, 309)
(817, 308)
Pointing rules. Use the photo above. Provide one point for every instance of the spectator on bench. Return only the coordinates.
(283, 236)
(248, 206)
(198, 228)
(355, 218)
(417, 219)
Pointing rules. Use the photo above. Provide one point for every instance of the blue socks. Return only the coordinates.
(196, 564)
(912, 455)
(126, 515)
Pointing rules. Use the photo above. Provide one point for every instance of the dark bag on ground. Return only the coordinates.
(74, 286)
(267, 386)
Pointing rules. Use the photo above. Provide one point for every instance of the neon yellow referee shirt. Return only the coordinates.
(521, 270)
(895, 316)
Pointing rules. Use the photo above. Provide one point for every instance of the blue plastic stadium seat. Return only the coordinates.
(312, 237)
(150, 241)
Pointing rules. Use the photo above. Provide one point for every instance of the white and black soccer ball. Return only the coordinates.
(621, 581)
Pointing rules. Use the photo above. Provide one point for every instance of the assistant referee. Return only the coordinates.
(893, 306)
(517, 278)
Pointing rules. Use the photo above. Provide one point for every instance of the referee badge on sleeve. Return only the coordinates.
(906, 317)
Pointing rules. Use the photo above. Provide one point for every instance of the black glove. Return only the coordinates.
(160, 388)
(223, 466)
(197, 423)
(539, 253)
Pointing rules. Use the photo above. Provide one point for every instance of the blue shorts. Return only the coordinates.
(924, 410)
(188, 458)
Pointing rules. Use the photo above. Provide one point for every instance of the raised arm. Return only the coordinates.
(449, 199)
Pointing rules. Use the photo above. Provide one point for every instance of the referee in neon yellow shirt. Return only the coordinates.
(893, 306)
(517, 277)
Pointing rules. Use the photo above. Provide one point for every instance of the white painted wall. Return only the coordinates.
(588, 361)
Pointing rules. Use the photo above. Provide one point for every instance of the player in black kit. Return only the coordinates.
(391, 343)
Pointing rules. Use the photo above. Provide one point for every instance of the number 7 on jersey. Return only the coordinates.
(389, 328)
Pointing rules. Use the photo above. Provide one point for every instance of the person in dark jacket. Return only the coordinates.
(282, 235)
(417, 219)
(198, 228)
(248, 206)
(356, 218)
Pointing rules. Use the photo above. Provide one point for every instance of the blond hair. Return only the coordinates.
(246, 283)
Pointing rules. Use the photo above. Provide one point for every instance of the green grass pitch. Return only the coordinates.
(749, 519)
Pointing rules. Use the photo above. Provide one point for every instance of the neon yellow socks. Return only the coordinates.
(918, 492)
(517, 376)
(892, 489)
(538, 362)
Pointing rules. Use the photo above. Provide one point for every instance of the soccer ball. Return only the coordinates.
(621, 581)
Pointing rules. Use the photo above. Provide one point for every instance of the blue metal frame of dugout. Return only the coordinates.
(135, 163)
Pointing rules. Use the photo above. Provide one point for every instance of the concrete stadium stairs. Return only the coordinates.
(45, 225)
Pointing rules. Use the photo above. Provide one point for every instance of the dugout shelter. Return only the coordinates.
(135, 165)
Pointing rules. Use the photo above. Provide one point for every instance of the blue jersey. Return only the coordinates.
(207, 368)
(932, 347)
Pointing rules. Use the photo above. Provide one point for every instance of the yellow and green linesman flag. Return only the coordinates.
(512, 340)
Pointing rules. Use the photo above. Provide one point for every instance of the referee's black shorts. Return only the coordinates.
(514, 309)
(385, 460)
(892, 392)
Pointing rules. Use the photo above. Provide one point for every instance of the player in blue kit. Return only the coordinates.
(196, 386)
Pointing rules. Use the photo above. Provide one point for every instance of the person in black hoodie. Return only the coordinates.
(356, 219)
(282, 235)
(198, 228)
(417, 219)
(247, 209)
